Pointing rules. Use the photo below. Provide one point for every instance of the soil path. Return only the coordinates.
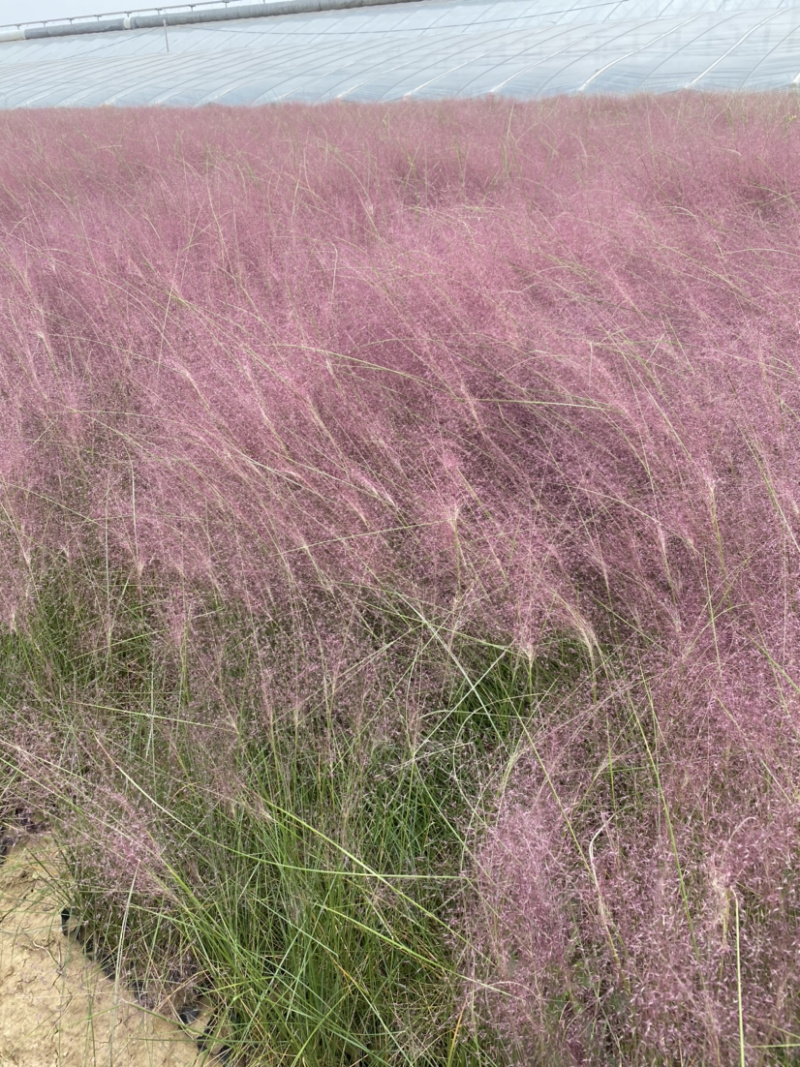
(58, 1008)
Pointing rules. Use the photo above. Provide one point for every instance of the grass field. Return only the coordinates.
(399, 517)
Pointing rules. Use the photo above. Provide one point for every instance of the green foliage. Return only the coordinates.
(315, 894)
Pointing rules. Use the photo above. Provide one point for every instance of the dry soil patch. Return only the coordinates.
(58, 1008)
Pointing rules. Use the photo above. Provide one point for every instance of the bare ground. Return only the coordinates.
(57, 1007)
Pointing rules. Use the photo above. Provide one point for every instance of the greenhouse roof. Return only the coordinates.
(388, 51)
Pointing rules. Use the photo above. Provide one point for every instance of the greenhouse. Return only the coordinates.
(257, 53)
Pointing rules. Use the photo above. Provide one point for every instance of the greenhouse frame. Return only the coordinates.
(239, 53)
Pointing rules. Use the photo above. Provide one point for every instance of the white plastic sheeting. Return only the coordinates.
(428, 49)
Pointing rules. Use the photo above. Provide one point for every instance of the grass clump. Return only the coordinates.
(297, 873)
(399, 562)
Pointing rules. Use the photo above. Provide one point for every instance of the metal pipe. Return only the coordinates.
(185, 18)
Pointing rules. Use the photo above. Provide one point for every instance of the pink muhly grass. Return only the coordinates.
(520, 369)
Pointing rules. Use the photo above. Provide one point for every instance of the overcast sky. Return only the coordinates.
(29, 10)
